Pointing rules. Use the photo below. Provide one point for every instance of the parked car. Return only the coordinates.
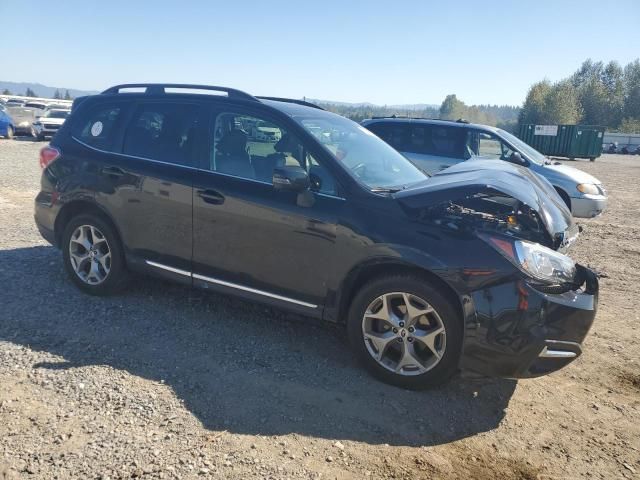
(38, 106)
(465, 269)
(611, 148)
(15, 102)
(265, 132)
(434, 145)
(7, 127)
(58, 106)
(49, 123)
(23, 119)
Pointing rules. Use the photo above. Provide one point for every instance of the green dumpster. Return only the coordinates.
(572, 141)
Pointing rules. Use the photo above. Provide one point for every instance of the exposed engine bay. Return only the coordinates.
(489, 213)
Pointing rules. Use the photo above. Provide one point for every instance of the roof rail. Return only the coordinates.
(404, 117)
(155, 88)
(291, 100)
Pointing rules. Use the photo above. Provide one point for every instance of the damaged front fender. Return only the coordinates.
(492, 196)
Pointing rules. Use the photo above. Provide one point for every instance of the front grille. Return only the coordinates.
(50, 127)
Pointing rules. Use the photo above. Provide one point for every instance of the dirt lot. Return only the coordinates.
(168, 382)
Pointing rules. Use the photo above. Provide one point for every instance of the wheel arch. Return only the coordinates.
(79, 207)
(564, 195)
(370, 270)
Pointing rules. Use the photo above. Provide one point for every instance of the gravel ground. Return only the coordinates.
(169, 382)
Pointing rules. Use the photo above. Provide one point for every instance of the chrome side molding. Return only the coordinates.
(229, 284)
(546, 353)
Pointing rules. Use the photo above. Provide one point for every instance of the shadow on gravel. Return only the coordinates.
(237, 366)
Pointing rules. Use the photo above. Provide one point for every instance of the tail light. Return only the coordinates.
(47, 155)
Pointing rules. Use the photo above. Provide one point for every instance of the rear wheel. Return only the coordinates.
(406, 332)
(93, 255)
(40, 137)
(592, 159)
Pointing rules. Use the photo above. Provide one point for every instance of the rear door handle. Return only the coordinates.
(113, 171)
(211, 196)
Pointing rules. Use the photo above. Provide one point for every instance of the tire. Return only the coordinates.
(592, 159)
(429, 369)
(40, 138)
(10, 133)
(110, 274)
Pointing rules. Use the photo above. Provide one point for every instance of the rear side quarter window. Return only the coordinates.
(96, 125)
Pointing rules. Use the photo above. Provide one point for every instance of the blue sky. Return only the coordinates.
(385, 52)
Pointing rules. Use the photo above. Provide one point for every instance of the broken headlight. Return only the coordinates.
(537, 261)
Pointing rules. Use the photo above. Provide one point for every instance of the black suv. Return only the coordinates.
(279, 201)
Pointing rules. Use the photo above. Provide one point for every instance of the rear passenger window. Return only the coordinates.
(164, 132)
(395, 134)
(446, 142)
(97, 127)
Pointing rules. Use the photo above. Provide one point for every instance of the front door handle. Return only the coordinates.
(113, 171)
(211, 196)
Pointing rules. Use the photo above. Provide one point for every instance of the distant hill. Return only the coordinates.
(405, 107)
(19, 88)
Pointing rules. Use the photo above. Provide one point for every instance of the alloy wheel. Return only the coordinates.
(90, 254)
(404, 333)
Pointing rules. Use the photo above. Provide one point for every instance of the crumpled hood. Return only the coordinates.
(565, 171)
(468, 178)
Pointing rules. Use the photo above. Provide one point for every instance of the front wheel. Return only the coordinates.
(10, 132)
(93, 255)
(406, 332)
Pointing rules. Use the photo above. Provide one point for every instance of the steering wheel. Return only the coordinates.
(359, 169)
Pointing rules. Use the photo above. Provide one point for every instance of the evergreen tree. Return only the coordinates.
(30, 93)
(57, 95)
(452, 108)
(67, 96)
(533, 110)
(632, 90)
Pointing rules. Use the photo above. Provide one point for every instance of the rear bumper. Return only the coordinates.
(45, 216)
(588, 207)
(521, 332)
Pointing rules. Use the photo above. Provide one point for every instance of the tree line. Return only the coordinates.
(30, 93)
(596, 94)
(504, 116)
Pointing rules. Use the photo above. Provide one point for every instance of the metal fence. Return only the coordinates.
(622, 139)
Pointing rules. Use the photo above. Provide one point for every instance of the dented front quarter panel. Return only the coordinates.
(468, 180)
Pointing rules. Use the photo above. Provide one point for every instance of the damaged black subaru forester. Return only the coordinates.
(279, 201)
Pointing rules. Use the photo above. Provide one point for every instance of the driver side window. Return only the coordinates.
(492, 147)
(247, 146)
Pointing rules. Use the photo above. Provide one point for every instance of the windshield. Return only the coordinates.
(57, 114)
(530, 152)
(370, 160)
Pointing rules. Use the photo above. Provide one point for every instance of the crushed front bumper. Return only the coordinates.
(521, 331)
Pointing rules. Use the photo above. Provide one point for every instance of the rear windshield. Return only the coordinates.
(57, 114)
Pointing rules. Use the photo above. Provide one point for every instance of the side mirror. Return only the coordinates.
(516, 157)
(290, 179)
